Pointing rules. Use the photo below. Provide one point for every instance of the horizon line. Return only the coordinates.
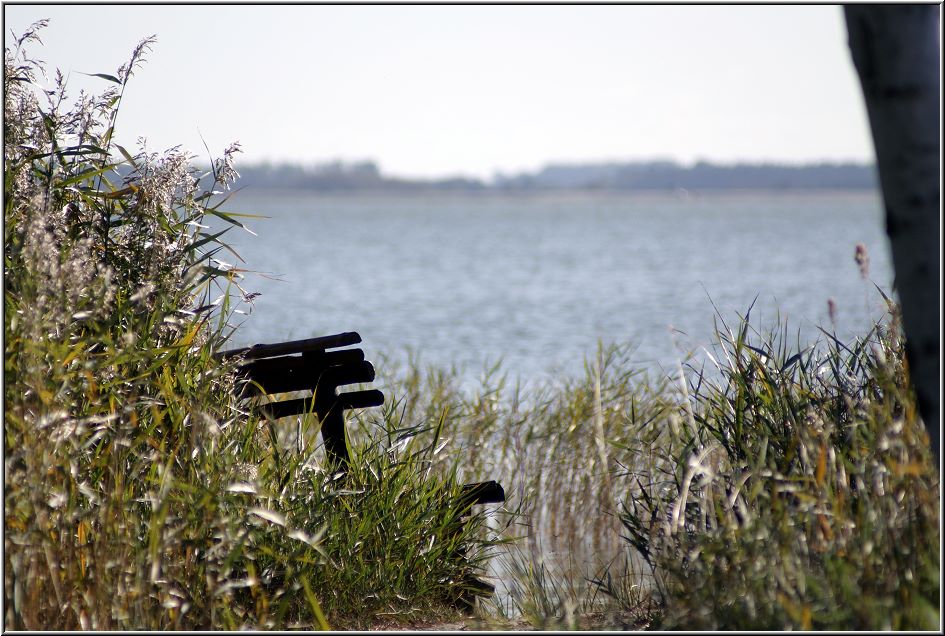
(553, 163)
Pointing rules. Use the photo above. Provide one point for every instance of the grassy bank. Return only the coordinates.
(138, 494)
(768, 483)
(796, 490)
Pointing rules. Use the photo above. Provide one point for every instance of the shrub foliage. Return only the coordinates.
(794, 489)
(137, 493)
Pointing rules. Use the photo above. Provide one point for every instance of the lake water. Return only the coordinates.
(537, 280)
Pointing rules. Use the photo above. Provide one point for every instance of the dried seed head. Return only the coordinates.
(862, 258)
(223, 168)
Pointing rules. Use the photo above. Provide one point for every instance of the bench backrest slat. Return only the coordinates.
(258, 369)
(306, 365)
(294, 373)
(295, 346)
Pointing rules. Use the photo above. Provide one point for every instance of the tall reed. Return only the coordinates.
(138, 493)
(552, 446)
(793, 489)
(767, 484)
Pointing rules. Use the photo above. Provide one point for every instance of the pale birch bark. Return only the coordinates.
(896, 53)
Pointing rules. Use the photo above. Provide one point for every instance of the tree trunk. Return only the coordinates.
(896, 54)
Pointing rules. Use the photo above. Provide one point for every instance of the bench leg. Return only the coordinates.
(333, 433)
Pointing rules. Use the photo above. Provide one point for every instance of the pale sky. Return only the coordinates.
(446, 90)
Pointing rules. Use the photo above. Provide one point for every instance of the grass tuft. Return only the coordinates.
(794, 489)
(138, 493)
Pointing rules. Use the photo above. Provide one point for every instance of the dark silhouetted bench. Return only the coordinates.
(320, 367)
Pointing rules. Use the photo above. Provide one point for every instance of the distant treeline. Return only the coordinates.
(337, 176)
(363, 176)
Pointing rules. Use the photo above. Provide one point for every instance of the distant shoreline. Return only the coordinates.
(560, 194)
(659, 177)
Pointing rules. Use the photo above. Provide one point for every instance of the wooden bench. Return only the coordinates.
(320, 367)
(309, 366)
